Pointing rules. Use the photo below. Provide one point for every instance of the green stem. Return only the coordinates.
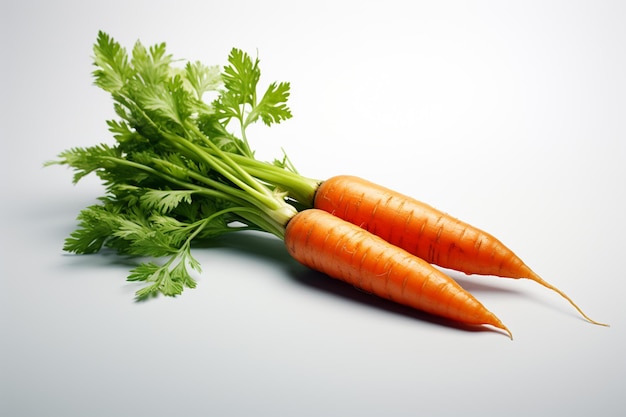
(224, 157)
(239, 197)
(272, 220)
(248, 151)
(221, 162)
(217, 161)
(297, 186)
(167, 177)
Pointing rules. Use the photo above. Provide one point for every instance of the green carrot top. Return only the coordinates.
(181, 167)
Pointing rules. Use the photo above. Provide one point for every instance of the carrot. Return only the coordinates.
(176, 175)
(349, 253)
(424, 231)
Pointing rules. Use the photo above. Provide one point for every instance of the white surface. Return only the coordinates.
(509, 115)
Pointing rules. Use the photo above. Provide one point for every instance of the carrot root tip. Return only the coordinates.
(541, 281)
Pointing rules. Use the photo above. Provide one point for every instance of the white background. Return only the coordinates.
(509, 115)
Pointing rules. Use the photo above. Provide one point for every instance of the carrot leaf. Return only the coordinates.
(177, 171)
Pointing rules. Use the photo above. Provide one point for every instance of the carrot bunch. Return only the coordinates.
(181, 170)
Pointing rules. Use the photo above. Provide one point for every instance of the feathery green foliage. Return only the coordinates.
(176, 172)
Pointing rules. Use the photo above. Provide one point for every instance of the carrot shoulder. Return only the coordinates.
(423, 230)
(349, 253)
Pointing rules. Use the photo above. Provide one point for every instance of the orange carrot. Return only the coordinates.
(349, 253)
(424, 231)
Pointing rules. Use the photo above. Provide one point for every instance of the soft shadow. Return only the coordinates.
(268, 248)
(474, 285)
(336, 288)
(260, 245)
(104, 256)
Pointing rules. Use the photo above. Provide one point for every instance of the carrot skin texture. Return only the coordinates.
(349, 253)
(423, 230)
(417, 227)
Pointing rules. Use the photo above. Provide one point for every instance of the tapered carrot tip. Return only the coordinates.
(491, 319)
(501, 326)
(534, 277)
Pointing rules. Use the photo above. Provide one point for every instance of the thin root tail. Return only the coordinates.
(546, 284)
